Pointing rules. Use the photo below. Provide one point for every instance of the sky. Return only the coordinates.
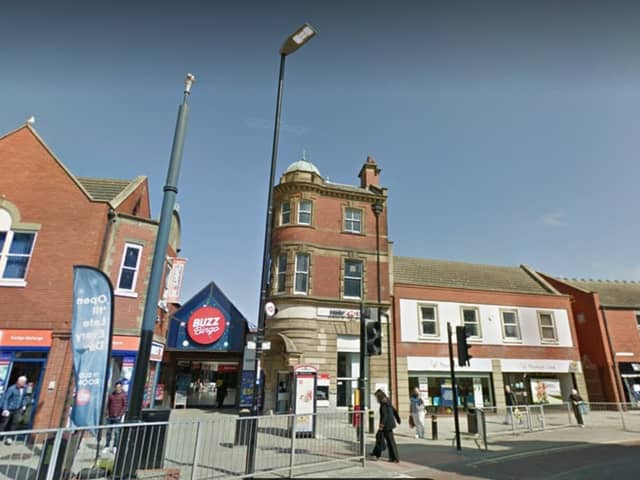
(507, 132)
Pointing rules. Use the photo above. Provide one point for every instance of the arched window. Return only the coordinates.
(16, 246)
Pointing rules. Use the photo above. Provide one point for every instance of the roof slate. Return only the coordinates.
(103, 189)
(612, 293)
(443, 273)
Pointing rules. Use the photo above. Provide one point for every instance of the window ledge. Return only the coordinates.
(512, 340)
(549, 342)
(5, 282)
(429, 339)
(348, 232)
(125, 293)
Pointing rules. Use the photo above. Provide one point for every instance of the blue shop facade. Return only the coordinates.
(205, 346)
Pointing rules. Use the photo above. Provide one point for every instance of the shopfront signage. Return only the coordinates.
(25, 338)
(551, 366)
(157, 350)
(342, 313)
(206, 325)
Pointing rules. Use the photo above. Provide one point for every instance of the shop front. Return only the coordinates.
(546, 382)
(204, 352)
(431, 375)
(24, 353)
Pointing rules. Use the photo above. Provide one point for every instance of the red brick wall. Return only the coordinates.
(141, 195)
(624, 333)
(592, 340)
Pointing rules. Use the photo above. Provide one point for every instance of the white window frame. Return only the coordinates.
(345, 276)
(281, 275)
(4, 258)
(553, 326)
(435, 320)
(517, 325)
(477, 322)
(129, 292)
(301, 272)
(282, 213)
(305, 211)
(350, 220)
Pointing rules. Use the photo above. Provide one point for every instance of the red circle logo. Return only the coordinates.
(206, 325)
(83, 397)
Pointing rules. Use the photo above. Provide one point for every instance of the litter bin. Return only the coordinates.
(472, 420)
(244, 428)
(142, 447)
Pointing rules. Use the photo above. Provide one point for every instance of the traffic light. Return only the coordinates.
(373, 332)
(463, 347)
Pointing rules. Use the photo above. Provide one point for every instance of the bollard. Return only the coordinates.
(372, 426)
(434, 427)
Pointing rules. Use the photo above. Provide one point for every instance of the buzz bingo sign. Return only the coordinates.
(206, 325)
(91, 328)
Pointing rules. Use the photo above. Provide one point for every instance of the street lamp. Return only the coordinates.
(296, 40)
(159, 254)
(377, 208)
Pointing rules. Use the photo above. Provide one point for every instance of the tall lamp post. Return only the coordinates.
(377, 208)
(296, 40)
(159, 254)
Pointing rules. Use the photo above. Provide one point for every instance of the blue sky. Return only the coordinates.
(507, 132)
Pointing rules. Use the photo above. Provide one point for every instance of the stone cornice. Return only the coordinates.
(329, 191)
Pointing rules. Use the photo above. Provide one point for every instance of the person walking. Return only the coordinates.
(576, 403)
(116, 408)
(14, 406)
(388, 418)
(417, 412)
(510, 399)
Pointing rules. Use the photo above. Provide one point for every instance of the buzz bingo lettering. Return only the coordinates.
(206, 325)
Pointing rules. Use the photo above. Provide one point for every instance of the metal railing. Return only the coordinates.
(203, 449)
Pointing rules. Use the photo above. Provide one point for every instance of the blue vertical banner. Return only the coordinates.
(91, 330)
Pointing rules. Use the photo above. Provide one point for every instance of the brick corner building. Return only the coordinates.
(324, 263)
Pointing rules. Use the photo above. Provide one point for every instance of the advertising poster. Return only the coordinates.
(246, 389)
(546, 390)
(127, 372)
(305, 385)
(90, 342)
(4, 370)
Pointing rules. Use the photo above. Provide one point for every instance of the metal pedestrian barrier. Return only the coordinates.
(205, 449)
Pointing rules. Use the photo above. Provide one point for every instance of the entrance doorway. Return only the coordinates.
(33, 369)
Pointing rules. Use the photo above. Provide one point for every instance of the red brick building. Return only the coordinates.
(51, 220)
(324, 264)
(607, 315)
(522, 334)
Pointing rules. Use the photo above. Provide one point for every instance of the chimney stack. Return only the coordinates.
(369, 173)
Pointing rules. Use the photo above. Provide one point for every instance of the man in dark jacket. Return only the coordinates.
(116, 408)
(388, 417)
(14, 405)
(511, 402)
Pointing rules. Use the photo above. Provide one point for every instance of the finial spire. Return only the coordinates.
(304, 154)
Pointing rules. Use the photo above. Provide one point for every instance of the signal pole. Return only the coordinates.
(454, 387)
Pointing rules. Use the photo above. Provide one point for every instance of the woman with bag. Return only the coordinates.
(577, 403)
(388, 418)
(417, 413)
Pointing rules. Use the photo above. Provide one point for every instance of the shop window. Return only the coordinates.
(302, 273)
(352, 278)
(285, 213)
(510, 325)
(129, 268)
(282, 272)
(471, 320)
(304, 212)
(353, 220)
(428, 321)
(547, 325)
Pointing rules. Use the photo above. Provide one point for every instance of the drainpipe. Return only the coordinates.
(616, 370)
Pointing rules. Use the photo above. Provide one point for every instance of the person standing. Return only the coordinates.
(576, 403)
(14, 406)
(221, 394)
(417, 412)
(510, 399)
(116, 408)
(388, 417)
